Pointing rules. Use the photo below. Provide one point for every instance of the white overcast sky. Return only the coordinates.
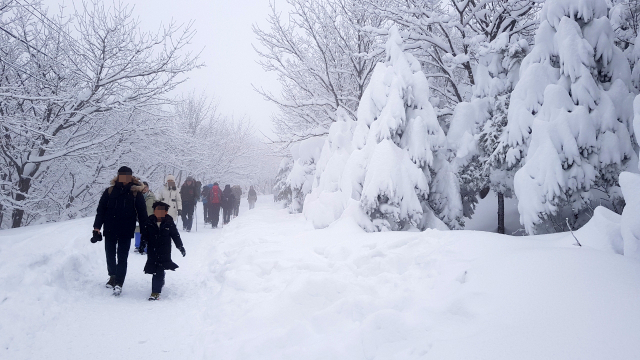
(225, 37)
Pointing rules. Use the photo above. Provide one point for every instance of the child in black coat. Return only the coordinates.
(157, 234)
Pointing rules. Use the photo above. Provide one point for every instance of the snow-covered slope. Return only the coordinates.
(269, 286)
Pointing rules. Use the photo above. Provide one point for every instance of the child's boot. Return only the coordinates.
(154, 297)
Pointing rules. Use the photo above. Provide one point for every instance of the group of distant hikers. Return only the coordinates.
(128, 200)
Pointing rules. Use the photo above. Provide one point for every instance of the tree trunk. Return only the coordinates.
(24, 184)
(500, 213)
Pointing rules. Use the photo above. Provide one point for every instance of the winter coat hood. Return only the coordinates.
(136, 185)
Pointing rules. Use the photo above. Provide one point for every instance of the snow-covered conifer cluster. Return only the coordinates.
(524, 99)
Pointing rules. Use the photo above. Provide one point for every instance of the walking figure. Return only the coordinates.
(253, 197)
(157, 234)
(119, 206)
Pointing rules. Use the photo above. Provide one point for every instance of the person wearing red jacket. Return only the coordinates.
(214, 202)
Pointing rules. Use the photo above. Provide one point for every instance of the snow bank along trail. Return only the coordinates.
(268, 286)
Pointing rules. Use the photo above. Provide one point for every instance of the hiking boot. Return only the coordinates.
(117, 290)
(154, 297)
(111, 283)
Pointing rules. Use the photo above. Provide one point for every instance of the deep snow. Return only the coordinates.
(269, 286)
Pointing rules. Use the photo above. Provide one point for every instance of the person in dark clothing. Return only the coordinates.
(158, 232)
(189, 194)
(237, 196)
(118, 208)
(228, 201)
(215, 199)
(253, 197)
(205, 203)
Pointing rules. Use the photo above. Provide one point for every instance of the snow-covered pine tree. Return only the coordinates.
(398, 137)
(477, 125)
(330, 196)
(300, 180)
(630, 185)
(281, 190)
(568, 121)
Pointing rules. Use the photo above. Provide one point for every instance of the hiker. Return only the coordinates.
(157, 234)
(170, 195)
(228, 201)
(119, 206)
(149, 199)
(205, 202)
(237, 196)
(215, 198)
(253, 197)
(189, 196)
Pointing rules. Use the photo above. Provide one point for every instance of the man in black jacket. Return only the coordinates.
(118, 209)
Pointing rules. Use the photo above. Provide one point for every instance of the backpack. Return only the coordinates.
(214, 195)
(205, 192)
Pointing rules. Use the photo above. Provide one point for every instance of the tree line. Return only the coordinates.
(534, 100)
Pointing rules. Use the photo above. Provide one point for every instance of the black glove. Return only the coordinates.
(182, 251)
(179, 212)
(143, 245)
(96, 237)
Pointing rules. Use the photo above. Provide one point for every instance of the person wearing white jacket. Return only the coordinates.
(171, 195)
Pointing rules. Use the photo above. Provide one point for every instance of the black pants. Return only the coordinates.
(116, 246)
(226, 214)
(214, 214)
(205, 210)
(236, 209)
(157, 281)
(187, 214)
(252, 204)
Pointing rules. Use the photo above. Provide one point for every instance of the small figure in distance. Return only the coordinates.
(228, 201)
(237, 196)
(253, 197)
(214, 201)
(157, 234)
(171, 195)
(149, 199)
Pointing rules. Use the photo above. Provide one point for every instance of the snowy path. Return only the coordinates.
(268, 286)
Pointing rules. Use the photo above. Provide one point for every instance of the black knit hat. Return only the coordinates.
(160, 203)
(125, 170)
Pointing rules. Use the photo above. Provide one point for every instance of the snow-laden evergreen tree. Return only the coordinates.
(477, 125)
(568, 120)
(281, 189)
(397, 170)
(327, 200)
(630, 184)
(305, 156)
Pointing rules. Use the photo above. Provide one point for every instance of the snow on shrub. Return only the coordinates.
(564, 128)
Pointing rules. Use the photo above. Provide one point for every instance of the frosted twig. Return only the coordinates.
(572, 234)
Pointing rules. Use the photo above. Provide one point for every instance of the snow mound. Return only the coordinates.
(602, 232)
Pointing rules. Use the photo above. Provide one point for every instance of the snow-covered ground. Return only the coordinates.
(269, 286)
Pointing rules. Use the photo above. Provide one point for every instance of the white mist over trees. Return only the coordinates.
(533, 99)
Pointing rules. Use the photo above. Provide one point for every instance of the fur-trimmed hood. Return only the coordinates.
(136, 187)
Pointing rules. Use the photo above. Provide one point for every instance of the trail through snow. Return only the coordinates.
(269, 286)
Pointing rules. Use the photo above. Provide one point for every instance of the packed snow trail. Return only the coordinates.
(268, 286)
